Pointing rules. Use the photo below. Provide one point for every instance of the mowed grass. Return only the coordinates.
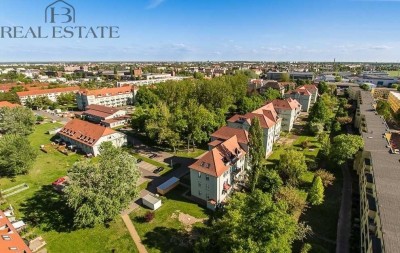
(165, 230)
(394, 73)
(44, 210)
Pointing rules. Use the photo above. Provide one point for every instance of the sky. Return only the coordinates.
(213, 30)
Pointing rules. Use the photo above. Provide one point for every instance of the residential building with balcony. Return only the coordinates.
(269, 120)
(394, 101)
(111, 97)
(378, 169)
(289, 110)
(306, 95)
(214, 176)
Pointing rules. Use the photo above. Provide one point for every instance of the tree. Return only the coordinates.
(285, 77)
(293, 165)
(18, 120)
(326, 177)
(271, 94)
(269, 181)
(324, 140)
(16, 155)
(146, 97)
(338, 79)
(98, 191)
(344, 147)
(336, 127)
(251, 223)
(198, 75)
(256, 152)
(323, 87)
(250, 104)
(306, 248)
(383, 108)
(294, 200)
(66, 99)
(316, 194)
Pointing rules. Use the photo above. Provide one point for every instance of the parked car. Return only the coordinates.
(158, 170)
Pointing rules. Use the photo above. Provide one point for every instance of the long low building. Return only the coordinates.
(106, 116)
(111, 97)
(87, 137)
(379, 176)
(52, 94)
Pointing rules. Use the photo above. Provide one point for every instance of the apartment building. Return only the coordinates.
(306, 95)
(225, 133)
(379, 177)
(106, 116)
(87, 137)
(394, 101)
(214, 176)
(52, 94)
(289, 110)
(269, 120)
(111, 97)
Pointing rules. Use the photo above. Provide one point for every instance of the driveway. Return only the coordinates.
(53, 117)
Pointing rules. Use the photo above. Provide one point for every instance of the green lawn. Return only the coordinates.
(165, 231)
(394, 73)
(192, 154)
(45, 212)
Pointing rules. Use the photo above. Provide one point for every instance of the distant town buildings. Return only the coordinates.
(87, 137)
(111, 97)
(52, 94)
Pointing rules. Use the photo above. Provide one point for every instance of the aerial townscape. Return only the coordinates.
(240, 140)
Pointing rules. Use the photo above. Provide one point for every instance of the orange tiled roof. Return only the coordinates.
(85, 132)
(286, 104)
(108, 91)
(8, 104)
(10, 240)
(47, 91)
(226, 133)
(217, 161)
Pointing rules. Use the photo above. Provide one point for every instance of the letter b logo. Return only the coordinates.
(60, 12)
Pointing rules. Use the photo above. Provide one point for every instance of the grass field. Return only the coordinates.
(394, 73)
(165, 231)
(45, 212)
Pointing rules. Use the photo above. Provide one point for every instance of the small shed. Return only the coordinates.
(168, 185)
(151, 202)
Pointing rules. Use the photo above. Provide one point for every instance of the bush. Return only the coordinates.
(326, 177)
(305, 144)
(306, 248)
(149, 216)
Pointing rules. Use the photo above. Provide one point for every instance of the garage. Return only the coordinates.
(151, 202)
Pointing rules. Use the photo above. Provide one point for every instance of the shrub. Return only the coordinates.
(326, 177)
(305, 144)
(149, 216)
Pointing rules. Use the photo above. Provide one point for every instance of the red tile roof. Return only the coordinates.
(48, 91)
(225, 133)
(9, 238)
(217, 161)
(84, 132)
(108, 91)
(8, 104)
(286, 104)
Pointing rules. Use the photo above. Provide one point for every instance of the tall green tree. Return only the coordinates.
(271, 94)
(293, 165)
(323, 87)
(251, 223)
(383, 108)
(18, 120)
(316, 194)
(256, 152)
(99, 191)
(16, 155)
(344, 147)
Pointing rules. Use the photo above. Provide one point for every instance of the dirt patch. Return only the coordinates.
(187, 220)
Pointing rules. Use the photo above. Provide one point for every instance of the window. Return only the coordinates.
(207, 186)
(6, 237)
(207, 196)
(207, 178)
(199, 184)
(199, 174)
(199, 193)
(12, 248)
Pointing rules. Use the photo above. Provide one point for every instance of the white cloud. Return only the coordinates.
(154, 4)
(380, 47)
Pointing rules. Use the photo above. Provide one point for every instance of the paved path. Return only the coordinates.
(343, 232)
(134, 234)
(53, 117)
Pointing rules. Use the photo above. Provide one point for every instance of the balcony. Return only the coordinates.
(371, 203)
